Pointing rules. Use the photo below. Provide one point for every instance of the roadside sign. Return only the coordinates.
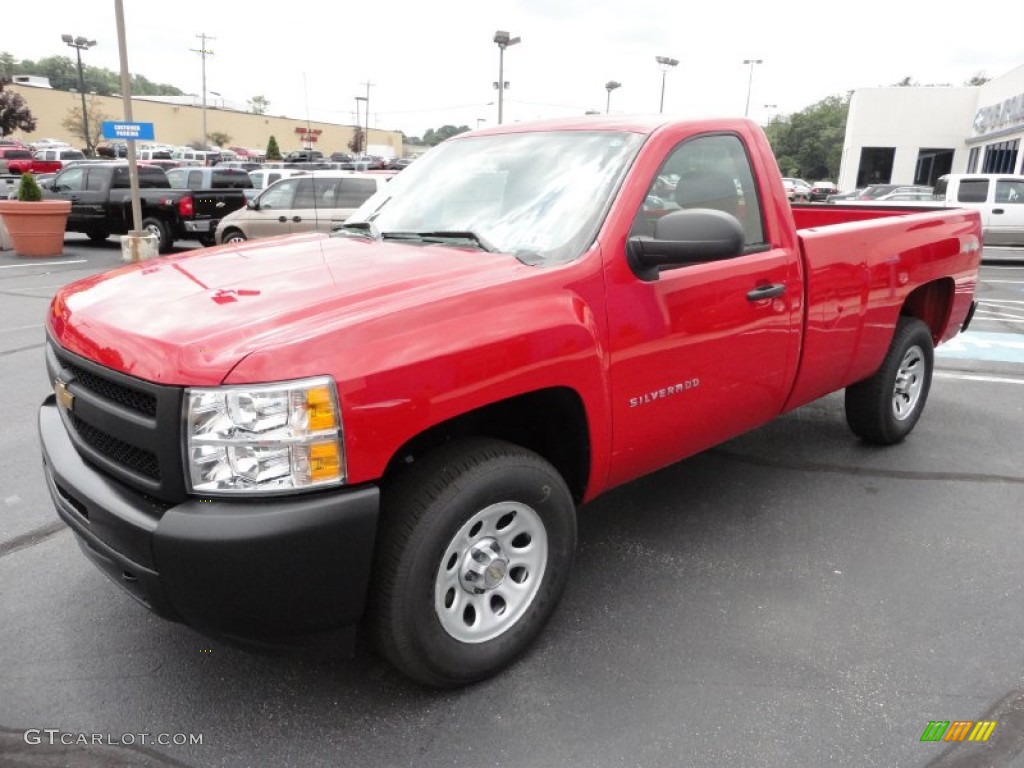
(130, 131)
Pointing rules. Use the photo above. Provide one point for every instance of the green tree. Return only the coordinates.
(14, 113)
(978, 78)
(258, 105)
(28, 189)
(62, 72)
(432, 138)
(219, 138)
(73, 124)
(809, 144)
(273, 151)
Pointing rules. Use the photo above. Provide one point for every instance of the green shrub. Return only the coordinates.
(28, 189)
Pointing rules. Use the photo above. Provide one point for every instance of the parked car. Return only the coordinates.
(797, 190)
(839, 197)
(999, 197)
(820, 190)
(264, 177)
(874, 191)
(312, 202)
(399, 163)
(16, 153)
(304, 156)
(100, 203)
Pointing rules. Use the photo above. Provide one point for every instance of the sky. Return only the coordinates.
(431, 64)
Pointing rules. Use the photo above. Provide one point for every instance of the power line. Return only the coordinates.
(204, 52)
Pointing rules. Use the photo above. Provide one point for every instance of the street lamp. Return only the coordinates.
(666, 64)
(770, 107)
(610, 86)
(480, 120)
(78, 43)
(501, 37)
(750, 81)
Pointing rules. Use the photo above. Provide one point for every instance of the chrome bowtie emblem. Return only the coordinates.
(64, 398)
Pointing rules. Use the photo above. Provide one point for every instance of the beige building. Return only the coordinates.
(180, 124)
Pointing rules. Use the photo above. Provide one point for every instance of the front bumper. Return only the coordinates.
(261, 570)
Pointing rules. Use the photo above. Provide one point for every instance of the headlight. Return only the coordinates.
(267, 438)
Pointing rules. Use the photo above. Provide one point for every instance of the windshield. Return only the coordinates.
(539, 196)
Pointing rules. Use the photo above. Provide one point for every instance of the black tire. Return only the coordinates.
(207, 240)
(97, 235)
(157, 227)
(233, 236)
(885, 408)
(428, 522)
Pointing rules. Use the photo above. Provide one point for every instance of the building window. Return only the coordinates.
(875, 165)
(932, 163)
(1001, 157)
(972, 160)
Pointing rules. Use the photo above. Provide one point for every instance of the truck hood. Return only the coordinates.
(189, 319)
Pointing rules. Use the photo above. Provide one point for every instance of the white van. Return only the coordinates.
(998, 196)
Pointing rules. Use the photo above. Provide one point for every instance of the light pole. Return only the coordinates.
(750, 81)
(480, 120)
(78, 43)
(501, 37)
(610, 86)
(363, 144)
(204, 52)
(666, 64)
(770, 107)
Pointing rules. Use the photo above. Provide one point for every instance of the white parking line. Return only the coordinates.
(42, 264)
(1011, 282)
(977, 377)
(21, 327)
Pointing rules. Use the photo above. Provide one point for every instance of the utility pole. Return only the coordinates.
(204, 52)
(366, 135)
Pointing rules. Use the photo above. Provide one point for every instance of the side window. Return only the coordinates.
(354, 192)
(71, 180)
(279, 196)
(705, 172)
(94, 179)
(972, 191)
(1011, 192)
(304, 194)
(195, 180)
(177, 179)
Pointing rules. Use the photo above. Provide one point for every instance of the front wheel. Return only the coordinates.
(233, 236)
(885, 408)
(476, 544)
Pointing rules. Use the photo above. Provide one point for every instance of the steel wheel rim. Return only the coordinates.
(490, 572)
(910, 377)
(153, 229)
(234, 238)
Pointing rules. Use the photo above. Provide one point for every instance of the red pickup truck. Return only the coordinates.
(18, 161)
(391, 426)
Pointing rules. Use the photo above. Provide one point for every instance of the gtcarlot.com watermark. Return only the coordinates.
(54, 736)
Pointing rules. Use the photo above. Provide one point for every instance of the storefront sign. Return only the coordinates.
(1003, 115)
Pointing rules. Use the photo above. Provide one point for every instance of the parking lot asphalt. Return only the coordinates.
(790, 598)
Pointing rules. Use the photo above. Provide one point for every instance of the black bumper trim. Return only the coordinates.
(246, 568)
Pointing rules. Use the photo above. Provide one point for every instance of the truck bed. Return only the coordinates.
(866, 257)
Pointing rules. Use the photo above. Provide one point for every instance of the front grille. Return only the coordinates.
(118, 451)
(130, 398)
(127, 427)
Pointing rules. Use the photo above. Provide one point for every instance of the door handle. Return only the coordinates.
(769, 291)
(296, 219)
(998, 210)
(282, 219)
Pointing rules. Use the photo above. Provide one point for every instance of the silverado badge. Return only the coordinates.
(64, 398)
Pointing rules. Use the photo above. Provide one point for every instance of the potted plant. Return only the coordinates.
(36, 226)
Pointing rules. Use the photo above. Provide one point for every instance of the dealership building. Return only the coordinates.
(913, 135)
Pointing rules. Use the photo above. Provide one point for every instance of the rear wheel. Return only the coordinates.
(476, 544)
(156, 227)
(97, 235)
(885, 408)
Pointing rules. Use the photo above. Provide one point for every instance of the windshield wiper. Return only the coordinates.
(442, 236)
(364, 228)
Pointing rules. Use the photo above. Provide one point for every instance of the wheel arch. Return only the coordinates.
(550, 422)
(931, 303)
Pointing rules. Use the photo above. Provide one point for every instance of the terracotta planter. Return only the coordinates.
(37, 228)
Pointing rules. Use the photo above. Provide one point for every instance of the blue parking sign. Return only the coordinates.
(130, 131)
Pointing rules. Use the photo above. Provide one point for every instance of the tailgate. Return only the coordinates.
(216, 204)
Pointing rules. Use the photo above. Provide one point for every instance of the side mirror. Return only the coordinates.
(691, 236)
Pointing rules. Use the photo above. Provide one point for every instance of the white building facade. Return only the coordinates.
(913, 135)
